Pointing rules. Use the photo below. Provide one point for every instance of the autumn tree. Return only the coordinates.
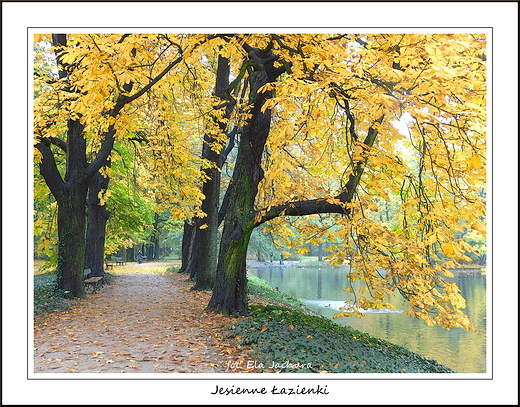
(239, 219)
(82, 109)
(324, 131)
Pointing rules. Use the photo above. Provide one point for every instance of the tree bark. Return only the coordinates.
(186, 247)
(71, 234)
(155, 239)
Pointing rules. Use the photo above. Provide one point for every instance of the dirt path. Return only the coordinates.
(145, 321)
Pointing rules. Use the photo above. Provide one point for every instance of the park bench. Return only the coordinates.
(108, 265)
(92, 283)
(119, 261)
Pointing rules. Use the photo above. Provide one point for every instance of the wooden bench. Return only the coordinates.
(120, 261)
(94, 283)
(109, 266)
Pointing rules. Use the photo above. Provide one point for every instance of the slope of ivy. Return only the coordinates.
(303, 343)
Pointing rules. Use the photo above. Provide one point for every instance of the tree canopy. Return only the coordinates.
(325, 131)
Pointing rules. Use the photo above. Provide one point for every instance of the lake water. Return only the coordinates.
(322, 290)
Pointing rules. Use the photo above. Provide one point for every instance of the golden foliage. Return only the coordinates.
(424, 95)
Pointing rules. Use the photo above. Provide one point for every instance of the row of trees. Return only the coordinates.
(305, 127)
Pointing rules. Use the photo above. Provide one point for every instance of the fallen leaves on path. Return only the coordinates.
(145, 321)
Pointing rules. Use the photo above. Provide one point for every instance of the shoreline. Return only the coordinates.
(466, 268)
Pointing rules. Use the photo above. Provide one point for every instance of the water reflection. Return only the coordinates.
(322, 289)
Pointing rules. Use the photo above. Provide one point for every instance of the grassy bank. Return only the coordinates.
(298, 341)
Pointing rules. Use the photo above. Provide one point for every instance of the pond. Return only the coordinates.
(321, 288)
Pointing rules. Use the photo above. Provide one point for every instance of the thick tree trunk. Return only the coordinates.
(190, 248)
(71, 234)
(72, 197)
(229, 295)
(97, 217)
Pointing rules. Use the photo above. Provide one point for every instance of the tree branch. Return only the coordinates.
(124, 100)
(58, 142)
(324, 205)
(49, 170)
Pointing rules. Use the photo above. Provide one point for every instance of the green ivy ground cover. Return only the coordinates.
(46, 297)
(281, 335)
(290, 334)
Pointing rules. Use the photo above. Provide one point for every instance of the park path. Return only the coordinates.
(145, 321)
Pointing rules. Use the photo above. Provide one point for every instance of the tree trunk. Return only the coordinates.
(229, 295)
(186, 250)
(207, 253)
(155, 238)
(191, 248)
(205, 241)
(97, 217)
(71, 235)
(149, 252)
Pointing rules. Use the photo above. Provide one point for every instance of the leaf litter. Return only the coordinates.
(146, 320)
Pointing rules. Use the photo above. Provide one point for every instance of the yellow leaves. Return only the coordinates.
(307, 48)
(268, 104)
(333, 201)
(389, 102)
(68, 57)
(303, 250)
(267, 87)
(453, 250)
(448, 249)
(103, 196)
(336, 262)
(105, 171)
(479, 227)
(448, 273)
(377, 188)
(474, 162)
